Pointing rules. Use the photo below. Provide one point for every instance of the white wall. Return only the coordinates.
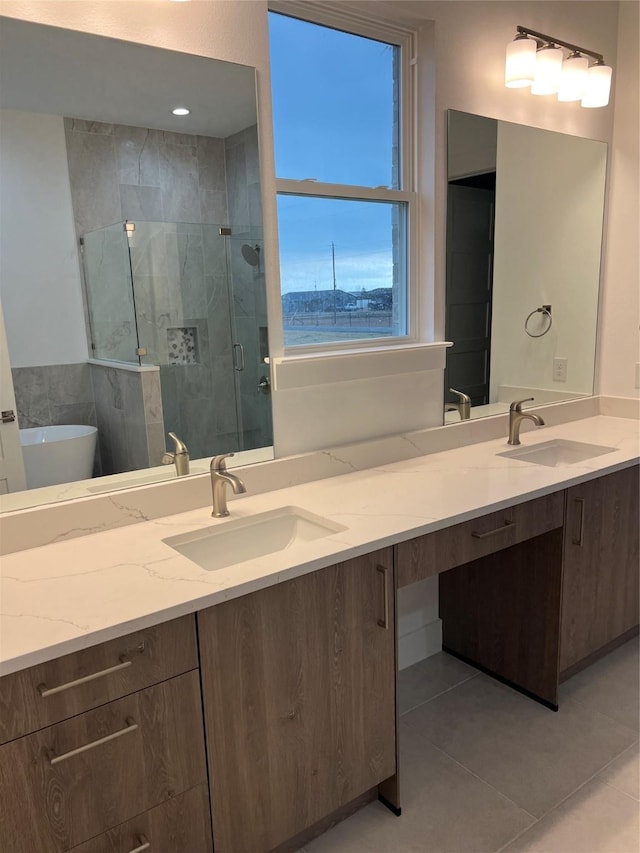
(548, 234)
(39, 268)
(620, 303)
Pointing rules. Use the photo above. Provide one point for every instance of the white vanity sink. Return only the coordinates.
(559, 451)
(235, 541)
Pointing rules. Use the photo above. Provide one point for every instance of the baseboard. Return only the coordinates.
(420, 644)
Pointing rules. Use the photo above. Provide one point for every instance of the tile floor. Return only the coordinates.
(486, 769)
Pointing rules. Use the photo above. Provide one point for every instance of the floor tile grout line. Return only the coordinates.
(601, 713)
(559, 803)
(475, 775)
(620, 791)
(573, 793)
(437, 695)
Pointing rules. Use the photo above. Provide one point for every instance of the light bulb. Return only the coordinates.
(520, 65)
(573, 81)
(598, 86)
(181, 111)
(548, 70)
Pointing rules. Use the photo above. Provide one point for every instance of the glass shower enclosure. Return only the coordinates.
(188, 299)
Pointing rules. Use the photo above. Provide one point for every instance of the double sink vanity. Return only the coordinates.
(188, 683)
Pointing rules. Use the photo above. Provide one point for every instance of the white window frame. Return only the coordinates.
(332, 16)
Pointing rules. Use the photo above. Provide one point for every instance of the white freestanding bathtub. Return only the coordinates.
(57, 454)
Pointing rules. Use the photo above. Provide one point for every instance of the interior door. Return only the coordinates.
(469, 276)
(12, 477)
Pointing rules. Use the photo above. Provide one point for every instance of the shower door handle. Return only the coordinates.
(238, 357)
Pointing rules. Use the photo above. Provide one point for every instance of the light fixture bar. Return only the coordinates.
(541, 38)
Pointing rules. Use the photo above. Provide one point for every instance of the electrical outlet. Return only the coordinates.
(637, 374)
(560, 369)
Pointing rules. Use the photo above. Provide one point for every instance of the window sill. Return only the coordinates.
(301, 371)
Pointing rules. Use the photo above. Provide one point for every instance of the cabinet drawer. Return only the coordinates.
(59, 689)
(181, 825)
(453, 546)
(67, 783)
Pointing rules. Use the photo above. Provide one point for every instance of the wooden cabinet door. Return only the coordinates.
(600, 574)
(299, 700)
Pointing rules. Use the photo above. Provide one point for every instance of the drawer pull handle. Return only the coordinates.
(579, 539)
(131, 727)
(143, 844)
(489, 533)
(125, 661)
(384, 571)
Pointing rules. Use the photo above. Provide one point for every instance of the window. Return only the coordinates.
(343, 179)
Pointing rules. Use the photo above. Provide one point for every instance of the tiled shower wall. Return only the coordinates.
(54, 394)
(175, 187)
(129, 418)
(248, 284)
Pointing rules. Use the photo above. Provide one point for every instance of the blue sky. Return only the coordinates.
(333, 121)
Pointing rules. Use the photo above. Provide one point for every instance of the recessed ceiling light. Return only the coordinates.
(181, 111)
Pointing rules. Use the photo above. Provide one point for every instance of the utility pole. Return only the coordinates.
(333, 263)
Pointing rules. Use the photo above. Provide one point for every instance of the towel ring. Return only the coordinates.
(546, 310)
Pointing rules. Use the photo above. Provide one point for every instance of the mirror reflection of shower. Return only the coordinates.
(251, 254)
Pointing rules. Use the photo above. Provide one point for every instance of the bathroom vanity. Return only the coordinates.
(262, 696)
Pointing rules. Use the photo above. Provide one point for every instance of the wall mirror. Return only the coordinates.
(131, 263)
(523, 242)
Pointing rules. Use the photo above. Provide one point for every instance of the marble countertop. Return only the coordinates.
(59, 598)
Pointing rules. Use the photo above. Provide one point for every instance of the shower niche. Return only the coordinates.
(181, 301)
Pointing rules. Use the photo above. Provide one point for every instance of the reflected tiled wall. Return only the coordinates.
(120, 172)
(55, 394)
(248, 284)
(176, 187)
(129, 418)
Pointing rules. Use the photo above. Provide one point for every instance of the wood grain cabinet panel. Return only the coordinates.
(502, 613)
(59, 689)
(299, 698)
(461, 543)
(600, 578)
(181, 825)
(67, 783)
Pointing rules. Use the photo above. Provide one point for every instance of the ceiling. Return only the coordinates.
(64, 72)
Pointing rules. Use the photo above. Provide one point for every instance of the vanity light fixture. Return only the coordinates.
(181, 111)
(537, 60)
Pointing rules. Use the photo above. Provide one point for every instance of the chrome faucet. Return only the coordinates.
(463, 406)
(516, 416)
(180, 456)
(220, 478)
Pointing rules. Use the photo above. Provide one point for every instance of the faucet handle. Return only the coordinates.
(464, 398)
(218, 463)
(180, 446)
(516, 406)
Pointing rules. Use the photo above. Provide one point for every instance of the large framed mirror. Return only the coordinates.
(523, 242)
(131, 263)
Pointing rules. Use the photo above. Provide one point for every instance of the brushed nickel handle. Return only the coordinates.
(384, 571)
(131, 727)
(125, 662)
(579, 540)
(489, 533)
(143, 844)
(238, 364)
